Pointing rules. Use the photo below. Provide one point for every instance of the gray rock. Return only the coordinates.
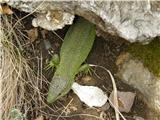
(134, 21)
(133, 72)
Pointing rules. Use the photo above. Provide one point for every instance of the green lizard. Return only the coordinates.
(77, 44)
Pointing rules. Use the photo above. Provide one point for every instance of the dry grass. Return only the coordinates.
(20, 86)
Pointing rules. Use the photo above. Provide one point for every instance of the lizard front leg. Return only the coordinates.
(54, 62)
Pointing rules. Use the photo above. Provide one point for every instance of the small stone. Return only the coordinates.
(125, 100)
(138, 118)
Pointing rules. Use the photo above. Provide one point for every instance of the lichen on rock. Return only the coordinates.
(149, 54)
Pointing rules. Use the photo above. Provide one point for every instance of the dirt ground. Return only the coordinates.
(104, 53)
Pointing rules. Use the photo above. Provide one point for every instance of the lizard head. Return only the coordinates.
(56, 88)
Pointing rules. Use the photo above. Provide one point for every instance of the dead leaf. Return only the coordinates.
(32, 34)
(5, 10)
(40, 118)
(125, 100)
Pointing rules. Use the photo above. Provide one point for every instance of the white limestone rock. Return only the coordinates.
(132, 20)
(90, 95)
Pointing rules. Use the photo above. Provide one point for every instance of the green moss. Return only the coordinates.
(149, 54)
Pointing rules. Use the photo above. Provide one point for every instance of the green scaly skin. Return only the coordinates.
(75, 49)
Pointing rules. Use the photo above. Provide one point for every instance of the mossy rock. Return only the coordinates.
(149, 54)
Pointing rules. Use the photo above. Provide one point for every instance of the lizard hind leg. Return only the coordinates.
(85, 68)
